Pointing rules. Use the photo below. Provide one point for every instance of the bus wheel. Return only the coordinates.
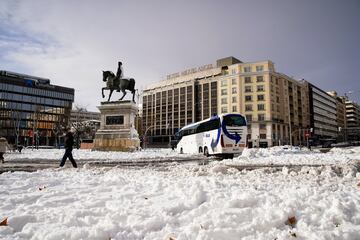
(181, 151)
(206, 151)
(200, 150)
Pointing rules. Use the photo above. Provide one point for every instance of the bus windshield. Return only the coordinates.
(234, 120)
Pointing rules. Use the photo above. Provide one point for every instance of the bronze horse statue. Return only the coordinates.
(119, 84)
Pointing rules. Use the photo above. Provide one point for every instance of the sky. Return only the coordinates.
(71, 42)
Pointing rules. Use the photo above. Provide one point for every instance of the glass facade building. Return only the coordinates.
(31, 109)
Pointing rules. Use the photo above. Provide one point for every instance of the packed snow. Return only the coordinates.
(186, 201)
(87, 154)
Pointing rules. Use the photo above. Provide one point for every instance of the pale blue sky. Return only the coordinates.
(70, 42)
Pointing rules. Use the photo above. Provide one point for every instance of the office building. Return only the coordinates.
(353, 120)
(323, 114)
(33, 111)
(352, 113)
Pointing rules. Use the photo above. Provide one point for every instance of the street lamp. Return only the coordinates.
(168, 131)
(145, 135)
(289, 118)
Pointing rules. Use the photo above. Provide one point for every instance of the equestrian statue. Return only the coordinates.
(118, 82)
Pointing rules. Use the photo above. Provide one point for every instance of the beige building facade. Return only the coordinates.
(275, 105)
(340, 110)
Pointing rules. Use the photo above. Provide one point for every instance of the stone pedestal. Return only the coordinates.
(117, 131)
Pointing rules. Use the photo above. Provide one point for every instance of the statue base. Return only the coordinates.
(117, 131)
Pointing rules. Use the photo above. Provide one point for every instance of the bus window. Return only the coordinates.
(178, 135)
(234, 121)
(209, 125)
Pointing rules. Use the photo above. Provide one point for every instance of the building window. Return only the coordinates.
(249, 118)
(259, 68)
(259, 78)
(247, 69)
(262, 126)
(224, 83)
(248, 98)
(260, 88)
(261, 117)
(233, 81)
(223, 91)
(248, 89)
(224, 110)
(233, 71)
(233, 90)
(248, 107)
(261, 106)
(277, 99)
(260, 97)
(262, 136)
(234, 100)
(224, 101)
(247, 79)
(234, 109)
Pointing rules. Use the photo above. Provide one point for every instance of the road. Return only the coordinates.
(31, 165)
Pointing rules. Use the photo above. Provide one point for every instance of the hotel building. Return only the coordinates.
(275, 105)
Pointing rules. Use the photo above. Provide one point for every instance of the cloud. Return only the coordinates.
(61, 42)
(70, 42)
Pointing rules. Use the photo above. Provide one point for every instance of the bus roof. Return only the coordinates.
(207, 119)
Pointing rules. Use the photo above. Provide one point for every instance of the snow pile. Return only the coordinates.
(177, 201)
(353, 150)
(273, 151)
(288, 156)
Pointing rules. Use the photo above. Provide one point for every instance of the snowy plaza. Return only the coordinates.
(313, 195)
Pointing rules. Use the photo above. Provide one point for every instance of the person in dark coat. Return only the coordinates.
(4, 146)
(69, 142)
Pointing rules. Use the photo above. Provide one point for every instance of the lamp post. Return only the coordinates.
(289, 118)
(168, 131)
(145, 135)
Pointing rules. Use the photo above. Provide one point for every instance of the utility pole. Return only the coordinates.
(145, 135)
(289, 118)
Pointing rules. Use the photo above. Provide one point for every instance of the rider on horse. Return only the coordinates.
(118, 82)
(119, 74)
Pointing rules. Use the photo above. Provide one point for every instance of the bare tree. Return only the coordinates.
(58, 129)
(84, 129)
(16, 120)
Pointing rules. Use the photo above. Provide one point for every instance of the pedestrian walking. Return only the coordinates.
(69, 142)
(4, 146)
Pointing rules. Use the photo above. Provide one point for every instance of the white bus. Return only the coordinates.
(223, 135)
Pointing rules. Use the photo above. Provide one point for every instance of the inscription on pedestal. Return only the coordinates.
(114, 120)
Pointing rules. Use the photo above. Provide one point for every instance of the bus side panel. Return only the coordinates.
(190, 144)
(211, 137)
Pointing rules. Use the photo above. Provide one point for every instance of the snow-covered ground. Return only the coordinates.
(186, 201)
